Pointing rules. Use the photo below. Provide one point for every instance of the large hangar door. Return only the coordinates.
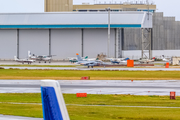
(65, 43)
(37, 41)
(95, 42)
(8, 44)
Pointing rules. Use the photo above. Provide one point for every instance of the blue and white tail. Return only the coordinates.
(53, 104)
(78, 57)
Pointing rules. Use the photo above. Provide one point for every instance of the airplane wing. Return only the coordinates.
(53, 104)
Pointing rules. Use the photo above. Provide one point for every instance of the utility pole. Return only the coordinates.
(108, 46)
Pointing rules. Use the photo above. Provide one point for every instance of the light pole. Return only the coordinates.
(108, 46)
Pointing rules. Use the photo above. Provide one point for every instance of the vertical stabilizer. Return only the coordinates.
(15, 58)
(53, 104)
(29, 54)
(78, 57)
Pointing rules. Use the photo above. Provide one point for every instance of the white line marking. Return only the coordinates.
(94, 105)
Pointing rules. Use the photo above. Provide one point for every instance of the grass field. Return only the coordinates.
(96, 112)
(95, 75)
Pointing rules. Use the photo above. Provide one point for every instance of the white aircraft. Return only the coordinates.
(88, 63)
(166, 59)
(74, 59)
(23, 60)
(147, 60)
(40, 58)
(118, 60)
(53, 104)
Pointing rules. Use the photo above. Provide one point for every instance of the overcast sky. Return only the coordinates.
(169, 7)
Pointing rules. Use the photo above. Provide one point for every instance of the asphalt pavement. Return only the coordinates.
(8, 117)
(138, 87)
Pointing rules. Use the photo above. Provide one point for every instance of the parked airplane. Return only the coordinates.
(74, 59)
(118, 60)
(114, 61)
(23, 60)
(166, 59)
(147, 60)
(88, 63)
(40, 58)
(53, 104)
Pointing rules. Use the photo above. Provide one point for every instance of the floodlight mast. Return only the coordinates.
(108, 52)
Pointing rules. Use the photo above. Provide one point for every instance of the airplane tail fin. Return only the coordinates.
(29, 54)
(163, 57)
(78, 57)
(86, 57)
(53, 104)
(126, 59)
(15, 58)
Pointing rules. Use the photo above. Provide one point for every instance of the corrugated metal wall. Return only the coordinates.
(132, 39)
(165, 34)
(37, 41)
(8, 44)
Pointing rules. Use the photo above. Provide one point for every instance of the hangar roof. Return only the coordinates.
(76, 20)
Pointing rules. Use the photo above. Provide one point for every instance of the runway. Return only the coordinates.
(146, 87)
(84, 68)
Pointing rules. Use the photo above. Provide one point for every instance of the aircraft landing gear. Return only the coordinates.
(39, 62)
(88, 66)
(45, 62)
(91, 66)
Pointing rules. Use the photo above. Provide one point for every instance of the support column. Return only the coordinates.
(82, 42)
(49, 42)
(121, 42)
(116, 42)
(142, 43)
(18, 43)
(109, 29)
(150, 43)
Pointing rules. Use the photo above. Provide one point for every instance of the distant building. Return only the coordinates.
(67, 5)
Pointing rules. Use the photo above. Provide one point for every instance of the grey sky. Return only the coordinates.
(169, 7)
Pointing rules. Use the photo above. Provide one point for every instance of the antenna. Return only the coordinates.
(148, 7)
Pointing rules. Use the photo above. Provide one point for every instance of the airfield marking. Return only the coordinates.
(95, 105)
(121, 106)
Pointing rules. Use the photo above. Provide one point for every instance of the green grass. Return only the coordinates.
(96, 112)
(95, 75)
(38, 65)
(127, 100)
(20, 97)
(21, 110)
(112, 113)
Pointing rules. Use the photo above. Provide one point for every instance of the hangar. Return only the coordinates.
(50, 33)
(66, 33)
